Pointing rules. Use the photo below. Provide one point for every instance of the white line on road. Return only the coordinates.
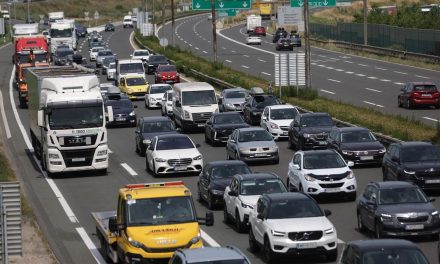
(247, 56)
(322, 56)
(398, 83)
(372, 78)
(348, 61)
(339, 70)
(223, 48)
(320, 65)
(360, 75)
(313, 63)
(332, 80)
(330, 68)
(5, 120)
(129, 169)
(261, 60)
(209, 41)
(373, 90)
(89, 244)
(233, 51)
(190, 45)
(228, 61)
(208, 239)
(379, 68)
(385, 80)
(370, 103)
(363, 65)
(196, 48)
(325, 91)
(399, 72)
(430, 119)
(423, 77)
(244, 66)
(205, 52)
(349, 72)
(265, 73)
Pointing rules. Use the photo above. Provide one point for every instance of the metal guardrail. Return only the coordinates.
(10, 203)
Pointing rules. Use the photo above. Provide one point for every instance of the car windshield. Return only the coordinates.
(263, 101)
(228, 171)
(357, 137)
(112, 66)
(254, 135)
(261, 186)
(125, 68)
(314, 121)
(116, 104)
(228, 119)
(141, 53)
(394, 256)
(97, 49)
(317, 161)
(135, 81)
(281, 114)
(426, 87)
(167, 68)
(61, 33)
(174, 143)
(157, 59)
(159, 126)
(159, 89)
(401, 195)
(160, 211)
(105, 53)
(206, 97)
(75, 117)
(294, 208)
(64, 53)
(235, 94)
(421, 154)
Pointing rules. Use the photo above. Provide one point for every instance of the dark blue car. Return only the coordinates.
(123, 110)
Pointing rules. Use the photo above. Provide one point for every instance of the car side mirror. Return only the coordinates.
(264, 118)
(197, 145)
(232, 193)
(135, 106)
(296, 167)
(232, 140)
(373, 203)
(137, 131)
(208, 220)
(113, 225)
(327, 212)
(260, 216)
(131, 55)
(208, 122)
(431, 199)
(350, 163)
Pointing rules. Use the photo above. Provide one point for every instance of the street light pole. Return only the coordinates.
(365, 22)
(10, 20)
(28, 12)
(214, 32)
(308, 71)
(172, 22)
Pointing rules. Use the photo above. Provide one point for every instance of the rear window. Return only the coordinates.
(426, 87)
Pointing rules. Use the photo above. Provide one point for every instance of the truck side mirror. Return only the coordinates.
(110, 113)
(178, 104)
(112, 224)
(209, 219)
(40, 119)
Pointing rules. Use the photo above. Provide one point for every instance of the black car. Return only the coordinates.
(310, 130)
(382, 251)
(106, 62)
(109, 27)
(356, 144)
(284, 44)
(75, 58)
(215, 177)
(295, 39)
(254, 106)
(148, 128)
(154, 61)
(418, 162)
(61, 56)
(221, 125)
(94, 44)
(280, 33)
(397, 208)
(123, 110)
(81, 31)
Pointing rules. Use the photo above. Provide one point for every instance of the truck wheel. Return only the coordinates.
(23, 104)
(103, 246)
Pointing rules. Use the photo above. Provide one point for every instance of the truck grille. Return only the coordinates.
(179, 162)
(201, 117)
(78, 158)
(416, 219)
(305, 236)
(74, 141)
(161, 250)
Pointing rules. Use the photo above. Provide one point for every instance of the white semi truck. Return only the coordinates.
(25, 29)
(252, 22)
(67, 119)
(62, 32)
(55, 16)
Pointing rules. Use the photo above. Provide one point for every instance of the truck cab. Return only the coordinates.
(152, 221)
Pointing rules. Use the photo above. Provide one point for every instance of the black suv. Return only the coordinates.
(149, 127)
(380, 251)
(310, 130)
(397, 208)
(418, 162)
(280, 33)
(221, 125)
(254, 106)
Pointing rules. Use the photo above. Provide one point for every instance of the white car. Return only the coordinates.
(111, 71)
(173, 153)
(253, 40)
(321, 172)
(291, 223)
(167, 103)
(94, 52)
(276, 119)
(140, 54)
(154, 95)
(241, 196)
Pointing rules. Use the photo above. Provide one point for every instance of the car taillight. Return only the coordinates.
(415, 94)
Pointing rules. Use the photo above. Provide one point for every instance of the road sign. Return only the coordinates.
(227, 13)
(96, 15)
(290, 69)
(163, 42)
(313, 3)
(343, 2)
(289, 16)
(221, 4)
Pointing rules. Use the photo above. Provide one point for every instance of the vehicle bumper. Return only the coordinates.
(233, 108)
(364, 159)
(395, 228)
(421, 101)
(155, 103)
(427, 183)
(330, 187)
(77, 160)
(284, 245)
(136, 95)
(278, 133)
(196, 166)
(168, 80)
(222, 135)
(266, 156)
(255, 117)
(169, 110)
(129, 120)
(311, 143)
(190, 124)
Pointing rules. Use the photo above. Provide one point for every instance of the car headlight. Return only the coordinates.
(146, 141)
(385, 217)
(152, 99)
(169, 104)
(346, 152)
(186, 115)
(246, 205)
(195, 239)
(133, 113)
(274, 126)
(278, 233)
(306, 135)
(230, 105)
(329, 231)
(435, 213)
(129, 90)
(274, 148)
(217, 192)
(382, 150)
(134, 243)
(198, 157)
(409, 171)
(160, 160)
(309, 178)
(243, 149)
(350, 175)
(53, 156)
(102, 152)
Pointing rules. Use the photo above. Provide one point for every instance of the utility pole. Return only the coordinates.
(28, 12)
(163, 17)
(172, 22)
(365, 22)
(214, 33)
(308, 71)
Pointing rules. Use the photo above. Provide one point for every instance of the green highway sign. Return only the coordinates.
(221, 4)
(227, 13)
(313, 3)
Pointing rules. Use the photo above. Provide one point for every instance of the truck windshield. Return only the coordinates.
(24, 58)
(131, 68)
(61, 33)
(198, 98)
(160, 211)
(75, 117)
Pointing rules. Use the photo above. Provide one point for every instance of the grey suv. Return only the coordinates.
(208, 255)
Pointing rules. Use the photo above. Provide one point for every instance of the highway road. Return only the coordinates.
(356, 80)
(63, 205)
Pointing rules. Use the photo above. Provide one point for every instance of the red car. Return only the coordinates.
(419, 94)
(259, 31)
(167, 74)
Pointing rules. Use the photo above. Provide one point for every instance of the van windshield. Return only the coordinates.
(199, 98)
(64, 33)
(131, 68)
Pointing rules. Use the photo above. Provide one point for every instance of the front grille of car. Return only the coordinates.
(320, 136)
(72, 158)
(415, 219)
(179, 162)
(332, 177)
(237, 105)
(366, 152)
(305, 236)
(285, 128)
(331, 185)
(262, 149)
(201, 117)
(223, 132)
(138, 94)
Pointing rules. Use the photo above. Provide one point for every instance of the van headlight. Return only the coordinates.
(146, 141)
(278, 233)
(160, 160)
(133, 113)
(350, 175)
(134, 243)
(102, 152)
(274, 126)
(53, 156)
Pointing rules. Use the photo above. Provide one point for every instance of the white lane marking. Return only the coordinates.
(321, 65)
(339, 70)
(80, 50)
(5, 120)
(360, 74)
(247, 56)
(348, 61)
(228, 61)
(370, 103)
(398, 83)
(379, 68)
(185, 42)
(244, 66)
(349, 72)
(363, 65)
(332, 80)
(223, 48)
(322, 56)
(209, 41)
(330, 68)
(421, 76)
(430, 119)
(373, 90)
(233, 51)
(242, 44)
(208, 239)
(403, 73)
(344, 57)
(190, 45)
(313, 63)
(89, 244)
(325, 91)
(129, 169)
(265, 73)
(372, 78)
(205, 52)
(196, 48)
(385, 80)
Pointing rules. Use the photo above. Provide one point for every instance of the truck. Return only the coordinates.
(62, 32)
(67, 119)
(25, 29)
(152, 221)
(266, 10)
(252, 22)
(55, 16)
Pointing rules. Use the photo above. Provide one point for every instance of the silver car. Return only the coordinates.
(252, 144)
(111, 71)
(233, 99)
(102, 54)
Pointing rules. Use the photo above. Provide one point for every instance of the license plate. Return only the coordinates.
(120, 118)
(180, 168)
(332, 190)
(366, 157)
(284, 133)
(322, 143)
(414, 227)
(306, 245)
(426, 95)
(78, 159)
(260, 155)
(201, 125)
(432, 181)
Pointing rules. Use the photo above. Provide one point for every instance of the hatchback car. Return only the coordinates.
(220, 126)
(253, 40)
(252, 144)
(295, 39)
(356, 144)
(167, 74)
(141, 54)
(232, 99)
(105, 64)
(215, 177)
(149, 127)
(61, 56)
(209, 255)
(154, 95)
(415, 94)
(259, 31)
(111, 71)
(279, 33)
(123, 110)
(417, 162)
(135, 86)
(284, 44)
(397, 208)
(277, 118)
(101, 55)
(154, 61)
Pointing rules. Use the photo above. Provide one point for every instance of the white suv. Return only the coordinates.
(276, 119)
(241, 196)
(321, 172)
(291, 223)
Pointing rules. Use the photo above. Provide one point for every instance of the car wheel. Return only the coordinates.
(142, 151)
(146, 106)
(399, 103)
(408, 104)
(227, 155)
(154, 170)
(290, 144)
(199, 194)
(360, 224)
(301, 189)
(332, 255)
(226, 218)
(276, 161)
(352, 196)
(237, 156)
(211, 202)
(268, 253)
(300, 145)
(147, 166)
(378, 233)
(384, 174)
(137, 149)
(291, 187)
(253, 244)
(239, 226)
